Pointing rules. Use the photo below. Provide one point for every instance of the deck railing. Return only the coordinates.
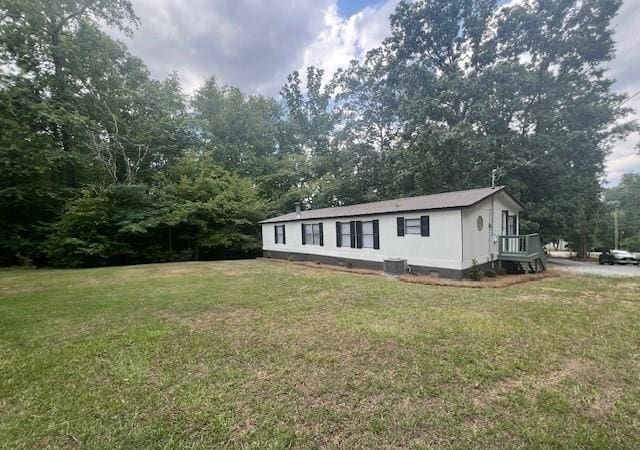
(526, 245)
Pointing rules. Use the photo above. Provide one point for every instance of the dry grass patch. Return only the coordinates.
(219, 317)
(534, 383)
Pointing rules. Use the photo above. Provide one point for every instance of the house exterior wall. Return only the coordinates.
(483, 244)
(442, 249)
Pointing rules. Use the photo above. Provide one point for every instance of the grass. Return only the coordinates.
(259, 354)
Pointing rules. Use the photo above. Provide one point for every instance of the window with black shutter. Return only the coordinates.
(338, 234)
(312, 234)
(279, 234)
(413, 225)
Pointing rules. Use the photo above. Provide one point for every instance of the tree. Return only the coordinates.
(624, 200)
(520, 88)
(77, 109)
(39, 41)
(311, 119)
(196, 210)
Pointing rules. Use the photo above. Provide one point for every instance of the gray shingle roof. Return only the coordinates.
(457, 199)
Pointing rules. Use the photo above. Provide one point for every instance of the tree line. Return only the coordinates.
(102, 164)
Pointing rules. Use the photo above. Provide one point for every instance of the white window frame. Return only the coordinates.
(345, 238)
(279, 234)
(407, 227)
(371, 235)
(314, 235)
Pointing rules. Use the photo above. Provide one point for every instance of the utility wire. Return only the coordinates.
(501, 173)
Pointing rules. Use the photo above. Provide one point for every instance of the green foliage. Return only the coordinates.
(625, 201)
(196, 211)
(475, 272)
(490, 273)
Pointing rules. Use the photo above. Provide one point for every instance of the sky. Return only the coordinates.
(255, 44)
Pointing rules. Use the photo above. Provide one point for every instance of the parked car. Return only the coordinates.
(617, 257)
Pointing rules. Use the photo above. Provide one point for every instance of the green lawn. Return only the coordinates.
(266, 354)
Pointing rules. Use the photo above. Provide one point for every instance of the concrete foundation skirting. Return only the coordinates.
(364, 264)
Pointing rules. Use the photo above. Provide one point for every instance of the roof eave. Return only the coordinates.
(399, 211)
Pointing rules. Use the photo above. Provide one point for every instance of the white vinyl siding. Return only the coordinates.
(445, 251)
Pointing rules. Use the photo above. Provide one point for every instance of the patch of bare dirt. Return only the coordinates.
(497, 282)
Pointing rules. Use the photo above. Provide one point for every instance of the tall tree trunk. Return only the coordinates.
(59, 91)
(582, 245)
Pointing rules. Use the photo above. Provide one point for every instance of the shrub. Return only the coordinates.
(501, 271)
(490, 273)
(349, 265)
(475, 272)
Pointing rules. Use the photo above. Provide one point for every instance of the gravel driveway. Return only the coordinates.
(593, 268)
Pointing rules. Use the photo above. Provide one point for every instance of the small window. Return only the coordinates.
(480, 223)
(367, 234)
(279, 234)
(312, 234)
(345, 234)
(412, 226)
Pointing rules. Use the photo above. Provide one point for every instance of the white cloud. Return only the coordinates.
(345, 39)
(251, 44)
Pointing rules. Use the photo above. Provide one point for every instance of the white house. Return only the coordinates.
(439, 234)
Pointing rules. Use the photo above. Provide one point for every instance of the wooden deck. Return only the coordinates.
(524, 249)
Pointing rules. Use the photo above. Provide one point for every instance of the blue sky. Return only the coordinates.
(350, 7)
(255, 44)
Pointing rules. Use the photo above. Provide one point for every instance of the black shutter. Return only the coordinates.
(358, 234)
(275, 234)
(338, 235)
(284, 238)
(424, 225)
(515, 225)
(376, 234)
(400, 221)
(321, 234)
(352, 226)
(304, 242)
